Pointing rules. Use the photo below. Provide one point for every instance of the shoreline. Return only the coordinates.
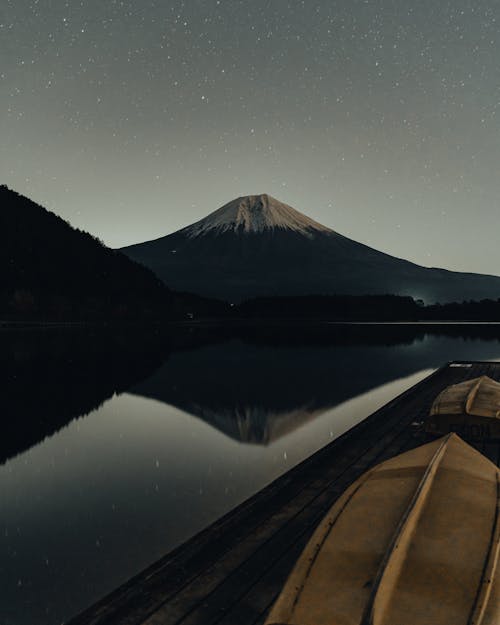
(244, 322)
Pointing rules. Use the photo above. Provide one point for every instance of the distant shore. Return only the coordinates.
(228, 323)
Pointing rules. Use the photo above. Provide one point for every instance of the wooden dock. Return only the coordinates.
(230, 573)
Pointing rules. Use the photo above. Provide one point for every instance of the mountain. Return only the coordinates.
(257, 246)
(50, 270)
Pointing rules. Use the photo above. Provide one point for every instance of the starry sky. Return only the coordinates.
(378, 118)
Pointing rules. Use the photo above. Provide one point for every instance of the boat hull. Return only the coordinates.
(471, 409)
(468, 427)
(415, 541)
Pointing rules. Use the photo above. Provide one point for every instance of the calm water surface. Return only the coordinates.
(117, 448)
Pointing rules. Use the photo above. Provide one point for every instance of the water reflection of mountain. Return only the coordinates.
(253, 384)
(51, 377)
(255, 392)
(255, 424)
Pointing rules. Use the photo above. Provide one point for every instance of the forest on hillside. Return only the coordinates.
(49, 269)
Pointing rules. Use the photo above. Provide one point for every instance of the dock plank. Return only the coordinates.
(232, 571)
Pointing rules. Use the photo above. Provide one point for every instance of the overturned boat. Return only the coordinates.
(471, 409)
(414, 541)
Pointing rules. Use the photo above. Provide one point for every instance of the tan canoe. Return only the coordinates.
(471, 409)
(414, 541)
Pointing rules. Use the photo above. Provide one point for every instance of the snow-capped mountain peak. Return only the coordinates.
(254, 214)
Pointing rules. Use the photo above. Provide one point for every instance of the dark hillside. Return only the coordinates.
(50, 270)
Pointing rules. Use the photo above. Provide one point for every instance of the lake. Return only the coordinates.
(119, 445)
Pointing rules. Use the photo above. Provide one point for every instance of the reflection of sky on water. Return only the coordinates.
(109, 493)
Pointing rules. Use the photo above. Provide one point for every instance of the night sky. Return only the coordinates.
(380, 119)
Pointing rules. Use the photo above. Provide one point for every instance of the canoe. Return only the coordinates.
(471, 409)
(414, 541)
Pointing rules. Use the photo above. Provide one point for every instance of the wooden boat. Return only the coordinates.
(471, 409)
(414, 541)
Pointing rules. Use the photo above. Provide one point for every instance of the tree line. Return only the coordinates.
(347, 308)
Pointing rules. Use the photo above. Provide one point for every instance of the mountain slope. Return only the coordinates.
(254, 214)
(49, 269)
(257, 246)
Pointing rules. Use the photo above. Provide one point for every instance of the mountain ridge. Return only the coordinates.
(234, 254)
(254, 214)
(51, 270)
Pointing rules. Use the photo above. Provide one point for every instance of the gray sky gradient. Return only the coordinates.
(377, 118)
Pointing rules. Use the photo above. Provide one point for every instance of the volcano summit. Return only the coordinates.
(255, 214)
(257, 246)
